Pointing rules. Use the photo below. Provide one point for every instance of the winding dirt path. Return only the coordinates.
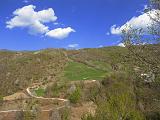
(66, 101)
(77, 112)
(34, 96)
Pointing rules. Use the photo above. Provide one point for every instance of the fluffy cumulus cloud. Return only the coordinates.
(60, 33)
(27, 17)
(35, 22)
(143, 22)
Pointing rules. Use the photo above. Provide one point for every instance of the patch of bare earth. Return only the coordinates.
(15, 96)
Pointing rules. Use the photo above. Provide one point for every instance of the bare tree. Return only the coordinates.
(144, 53)
(143, 46)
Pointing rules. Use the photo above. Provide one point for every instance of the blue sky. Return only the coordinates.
(75, 23)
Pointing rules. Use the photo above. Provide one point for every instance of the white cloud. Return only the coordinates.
(60, 33)
(121, 45)
(143, 22)
(73, 45)
(35, 22)
(100, 46)
(116, 30)
(46, 15)
(27, 17)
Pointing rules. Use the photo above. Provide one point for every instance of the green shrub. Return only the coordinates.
(87, 117)
(1, 99)
(116, 99)
(93, 93)
(75, 96)
(40, 92)
(57, 88)
(66, 114)
(153, 115)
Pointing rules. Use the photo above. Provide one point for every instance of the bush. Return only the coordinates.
(1, 99)
(93, 93)
(40, 92)
(66, 114)
(118, 107)
(153, 116)
(116, 99)
(75, 96)
(87, 117)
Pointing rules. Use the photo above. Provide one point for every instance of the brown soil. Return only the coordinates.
(15, 96)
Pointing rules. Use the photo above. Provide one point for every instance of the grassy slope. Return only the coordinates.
(79, 71)
(93, 63)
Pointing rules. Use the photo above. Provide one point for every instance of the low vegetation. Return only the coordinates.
(40, 92)
(18, 70)
(75, 96)
(80, 71)
(120, 93)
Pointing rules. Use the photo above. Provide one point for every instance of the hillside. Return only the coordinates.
(20, 69)
(94, 79)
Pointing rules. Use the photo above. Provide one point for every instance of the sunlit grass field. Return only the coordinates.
(79, 71)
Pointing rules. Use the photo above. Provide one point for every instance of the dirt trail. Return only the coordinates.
(34, 96)
(76, 111)
(22, 95)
